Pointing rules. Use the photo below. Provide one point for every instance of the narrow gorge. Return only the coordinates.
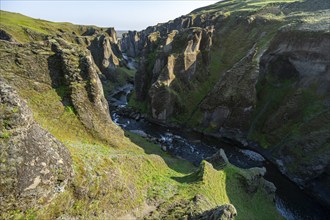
(222, 113)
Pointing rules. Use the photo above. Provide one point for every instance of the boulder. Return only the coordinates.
(252, 178)
(35, 166)
(269, 187)
(224, 212)
(219, 159)
(6, 36)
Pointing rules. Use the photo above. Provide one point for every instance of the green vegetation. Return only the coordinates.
(5, 134)
(26, 29)
(236, 42)
(118, 177)
(121, 76)
(135, 104)
(118, 180)
(277, 99)
(270, 99)
(243, 25)
(115, 179)
(234, 7)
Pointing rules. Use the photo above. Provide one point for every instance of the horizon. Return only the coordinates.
(137, 15)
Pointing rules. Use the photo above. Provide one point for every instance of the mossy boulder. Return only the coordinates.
(224, 212)
(35, 166)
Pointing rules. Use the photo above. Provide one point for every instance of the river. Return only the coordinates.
(291, 202)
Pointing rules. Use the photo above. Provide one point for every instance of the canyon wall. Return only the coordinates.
(239, 71)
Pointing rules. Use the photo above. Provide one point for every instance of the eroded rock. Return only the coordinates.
(219, 159)
(224, 212)
(82, 76)
(35, 166)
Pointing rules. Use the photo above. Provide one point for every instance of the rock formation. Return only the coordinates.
(35, 166)
(298, 63)
(81, 75)
(106, 53)
(260, 75)
(259, 72)
(224, 212)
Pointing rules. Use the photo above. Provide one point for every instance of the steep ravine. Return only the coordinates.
(195, 147)
(62, 157)
(250, 73)
(244, 72)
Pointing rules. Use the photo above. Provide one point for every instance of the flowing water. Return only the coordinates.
(291, 202)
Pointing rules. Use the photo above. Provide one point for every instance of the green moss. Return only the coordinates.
(138, 105)
(69, 109)
(15, 110)
(5, 134)
(311, 103)
(270, 97)
(151, 59)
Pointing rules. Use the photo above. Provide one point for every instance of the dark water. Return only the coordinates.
(291, 202)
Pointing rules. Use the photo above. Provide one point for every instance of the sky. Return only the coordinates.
(123, 15)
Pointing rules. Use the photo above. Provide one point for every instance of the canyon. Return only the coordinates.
(189, 119)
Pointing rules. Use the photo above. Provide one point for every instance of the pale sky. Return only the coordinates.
(123, 15)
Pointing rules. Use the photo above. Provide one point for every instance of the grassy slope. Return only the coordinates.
(120, 178)
(112, 180)
(26, 29)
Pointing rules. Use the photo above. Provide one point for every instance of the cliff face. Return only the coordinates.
(81, 76)
(35, 166)
(106, 53)
(240, 69)
(293, 106)
(168, 65)
(71, 71)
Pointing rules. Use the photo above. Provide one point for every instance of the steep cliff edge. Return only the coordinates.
(292, 114)
(252, 69)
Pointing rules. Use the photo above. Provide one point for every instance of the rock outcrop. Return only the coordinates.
(219, 159)
(35, 166)
(82, 77)
(133, 42)
(230, 104)
(106, 53)
(6, 36)
(160, 75)
(66, 67)
(224, 212)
